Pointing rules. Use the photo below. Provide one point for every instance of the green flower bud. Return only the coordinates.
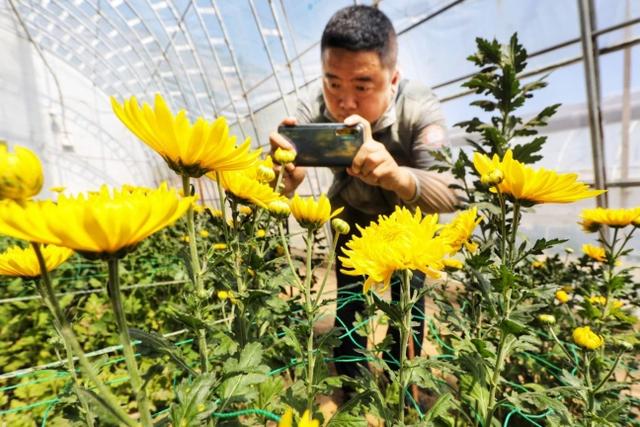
(340, 226)
(548, 319)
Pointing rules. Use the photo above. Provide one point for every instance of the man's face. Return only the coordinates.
(356, 83)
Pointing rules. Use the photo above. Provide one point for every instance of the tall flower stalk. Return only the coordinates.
(194, 260)
(115, 296)
(71, 342)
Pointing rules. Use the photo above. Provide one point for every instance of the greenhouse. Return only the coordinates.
(320, 213)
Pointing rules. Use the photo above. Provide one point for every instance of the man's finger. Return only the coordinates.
(356, 119)
(278, 141)
(289, 121)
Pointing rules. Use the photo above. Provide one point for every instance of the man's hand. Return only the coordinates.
(374, 165)
(293, 176)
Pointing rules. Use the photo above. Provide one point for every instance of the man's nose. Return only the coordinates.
(348, 102)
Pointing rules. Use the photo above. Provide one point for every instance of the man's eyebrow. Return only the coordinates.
(331, 76)
(363, 79)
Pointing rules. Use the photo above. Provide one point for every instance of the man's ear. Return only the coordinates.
(395, 77)
(395, 80)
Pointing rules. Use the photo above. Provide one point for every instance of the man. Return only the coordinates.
(402, 122)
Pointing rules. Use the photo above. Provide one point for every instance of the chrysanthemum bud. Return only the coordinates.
(260, 233)
(452, 263)
(548, 319)
(265, 174)
(586, 338)
(340, 226)
(568, 250)
(219, 246)
(492, 178)
(20, 173)
(279, 208)
(562, 296)
(245, 210)
(283, 156)
(204, 234)
(216, 213)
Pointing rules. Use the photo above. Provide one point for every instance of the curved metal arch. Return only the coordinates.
(46, 32)
(219, 66)
(170, 37)
(193, 50)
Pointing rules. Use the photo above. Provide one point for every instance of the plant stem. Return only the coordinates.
(310, 312)
(69, 337)
(326, 273)
(129, 354)
(197, 276)
(608, 375)
(222, 208)
(405, 333)
(514, 229)
(285, 246)
(71, 365)
(503, 226)
(590, 392)
(495, 380)
(562, 347)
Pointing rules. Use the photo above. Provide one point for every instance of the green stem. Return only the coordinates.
(608, 375)
(503, 226)
(70, 339)
(405, 333)
(590, 392)
(285, 246)
(279, 180)
(225, 227)
(495, 380)
(562, 347)
(310, 313)
(71, 365)
(514, 229)
(197, 276)
(327, 271)
(129, 355)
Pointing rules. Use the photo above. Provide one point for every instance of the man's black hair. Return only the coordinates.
(362, 28)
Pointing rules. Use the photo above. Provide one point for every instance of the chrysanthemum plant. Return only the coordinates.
(491, 329)
(233, 275)
(312, 374)
(591, 328)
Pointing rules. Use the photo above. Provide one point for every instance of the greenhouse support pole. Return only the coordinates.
(590, 59)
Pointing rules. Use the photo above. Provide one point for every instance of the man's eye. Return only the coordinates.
(361, 88)
(335, 86)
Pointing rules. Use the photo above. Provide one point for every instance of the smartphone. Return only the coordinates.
(324, 144)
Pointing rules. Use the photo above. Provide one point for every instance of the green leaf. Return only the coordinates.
(390, 309)
(155, 345)
(439, 408)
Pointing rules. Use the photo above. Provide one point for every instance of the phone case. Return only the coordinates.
(324, 144)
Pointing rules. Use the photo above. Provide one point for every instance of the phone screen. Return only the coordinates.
(324, 144)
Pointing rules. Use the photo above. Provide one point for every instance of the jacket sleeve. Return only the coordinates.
(433, 191)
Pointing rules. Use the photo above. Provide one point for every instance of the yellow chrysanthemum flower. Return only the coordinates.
(311, 213)
(586, 338)
(593, 219)
(204, 234)
(597, 299)
(594, 252)
(562, 296)
(306, 421)
(20, 262)
(244, 187)
(20, 173)
(459, 231)
(189, 149)
(219, 246)
(104, 223)
(533, 186)
(400, 241)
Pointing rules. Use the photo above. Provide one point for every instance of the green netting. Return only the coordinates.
(346, 298)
